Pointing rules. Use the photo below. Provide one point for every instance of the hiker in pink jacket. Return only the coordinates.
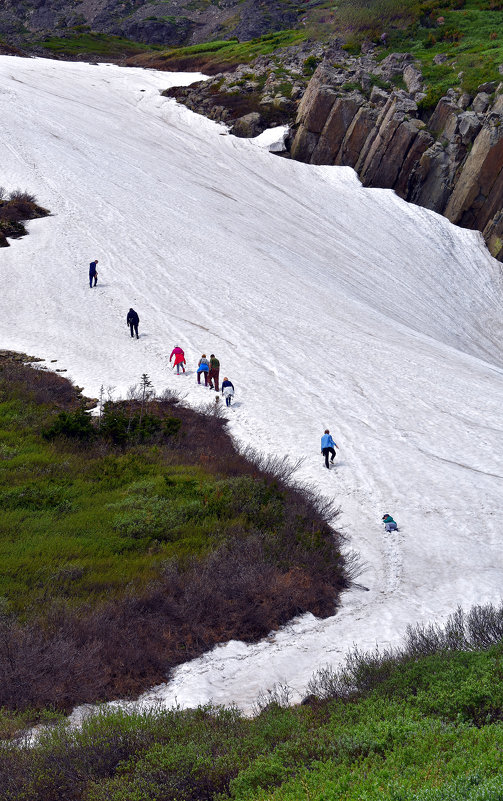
(179, 359)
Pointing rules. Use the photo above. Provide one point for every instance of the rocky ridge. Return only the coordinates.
(164, 22)
(373, 115)
(449, 160)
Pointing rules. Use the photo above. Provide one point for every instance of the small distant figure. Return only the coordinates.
(227, 391)
(384, 39)
(214, 371)
(203, 366)
(328, 447)
(93, 273)
(132, 320)
(179, 359)
(389, 523)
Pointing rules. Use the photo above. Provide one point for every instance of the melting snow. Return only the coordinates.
(328, 305)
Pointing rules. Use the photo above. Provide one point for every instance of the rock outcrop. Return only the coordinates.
(450, 161)
(168, 22)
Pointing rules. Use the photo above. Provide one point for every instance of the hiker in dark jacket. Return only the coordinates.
(214, 371)
(93, 273)
(132, 321)
(227, 390)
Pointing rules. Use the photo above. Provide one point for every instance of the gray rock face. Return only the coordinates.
(452, 164)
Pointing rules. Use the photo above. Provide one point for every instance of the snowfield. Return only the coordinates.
(328, 305)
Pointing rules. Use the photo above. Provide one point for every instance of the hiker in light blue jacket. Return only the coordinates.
(328, 447)
(203, 367)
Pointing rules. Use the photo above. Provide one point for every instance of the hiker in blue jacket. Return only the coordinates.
(93, 273)
(328, 447)
(203, 366)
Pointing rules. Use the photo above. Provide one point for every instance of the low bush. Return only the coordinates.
(15, 209)
(424, 733)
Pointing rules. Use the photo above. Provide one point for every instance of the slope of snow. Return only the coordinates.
(328, 305)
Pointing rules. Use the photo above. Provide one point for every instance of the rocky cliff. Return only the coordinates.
(169, 22)
(450, 160)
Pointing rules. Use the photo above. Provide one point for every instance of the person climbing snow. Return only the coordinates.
(328, 447)
(93, 273)
(203, 366)
(389, 523)
(227, 390)
(214, 371)
(132, 320)
(179, 359)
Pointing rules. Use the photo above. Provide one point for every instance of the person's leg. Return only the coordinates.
(325, 454)
(91, 281)
(136, 330)
(228, 400)
(205, 378)
(210, 378)
(217, 373)
(199, 378)
(332, 454)
(131, 329)
(95, 279)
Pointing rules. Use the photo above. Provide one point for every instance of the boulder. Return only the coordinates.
(249, 125)
(481, 102)
(413, 79)
(465, 100)
(468, 126)
(488, 87)
(378, 96)
(440, 58)
(444, 111)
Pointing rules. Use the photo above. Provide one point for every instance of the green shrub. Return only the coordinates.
(73, 425)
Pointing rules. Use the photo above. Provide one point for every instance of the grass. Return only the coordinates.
(217, 56)
(97, 44)
(474, 54)
(430, 730)
(124, 554)
(91, 519)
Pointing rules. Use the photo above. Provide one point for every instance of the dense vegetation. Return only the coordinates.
(15, 209)
(87, 43)
(211, 56)
(423, 724)
(134, 541)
